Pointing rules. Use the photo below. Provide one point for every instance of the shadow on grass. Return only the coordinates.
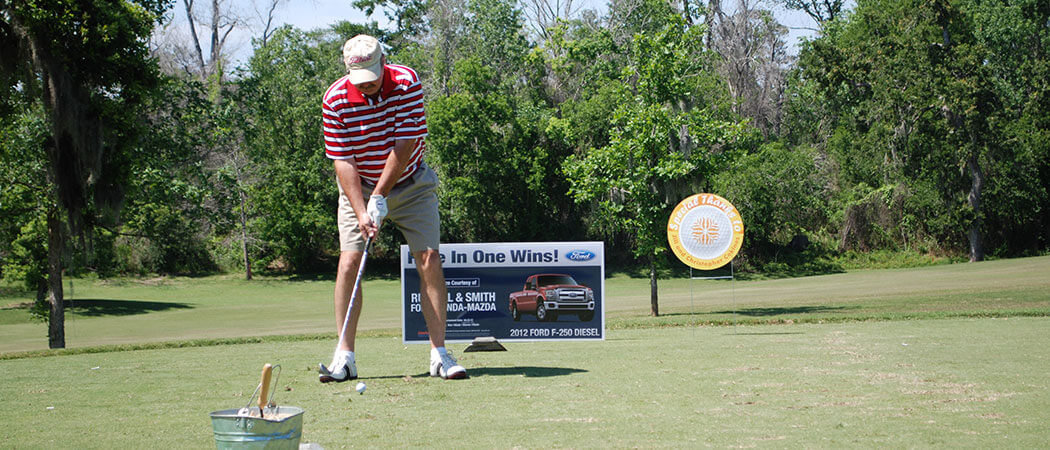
(767, 312)
(527, 371)
(773, 333)
(101, 308)
(370, 275)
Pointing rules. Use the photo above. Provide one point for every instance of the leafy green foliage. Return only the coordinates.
(294, 201)
(88, 62)
(780, 192)
(657, 151)
(27, 263)
(23, 232)
(909, 127)
(922, 97)
(491, 189)
(495, 144)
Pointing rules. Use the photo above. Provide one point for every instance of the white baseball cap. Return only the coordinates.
(363, 57)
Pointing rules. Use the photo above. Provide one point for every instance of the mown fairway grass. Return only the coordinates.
(978, 383)
(152, 312)
(810, 362)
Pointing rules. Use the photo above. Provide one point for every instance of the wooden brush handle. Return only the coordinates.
(267, 371)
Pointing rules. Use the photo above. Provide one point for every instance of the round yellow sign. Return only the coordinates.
(705, 231)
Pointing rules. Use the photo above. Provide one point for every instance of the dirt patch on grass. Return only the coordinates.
(990, 416)
(151, 281)
(571, 419)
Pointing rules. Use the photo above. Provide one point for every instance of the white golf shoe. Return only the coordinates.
(443, 365)
(343, 368)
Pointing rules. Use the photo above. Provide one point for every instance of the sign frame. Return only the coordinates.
(705, 216)
(481, 277)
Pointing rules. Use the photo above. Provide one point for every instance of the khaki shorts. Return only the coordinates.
(412, 207)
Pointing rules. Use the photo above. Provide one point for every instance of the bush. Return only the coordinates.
(781, 193)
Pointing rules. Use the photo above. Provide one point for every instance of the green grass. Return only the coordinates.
(131, 312)
(937, 356)
(886, 259)
(938, 383)
(127, 311)
(14, 314)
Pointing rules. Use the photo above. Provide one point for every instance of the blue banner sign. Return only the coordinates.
(516, 291)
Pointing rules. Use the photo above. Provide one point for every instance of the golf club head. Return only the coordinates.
(324, 375)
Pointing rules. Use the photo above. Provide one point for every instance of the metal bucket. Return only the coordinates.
(236, 431)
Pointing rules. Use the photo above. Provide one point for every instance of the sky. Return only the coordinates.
(313, 14)
(302, 14)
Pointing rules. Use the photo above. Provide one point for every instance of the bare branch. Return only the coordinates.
(193, 35)
(269, 21)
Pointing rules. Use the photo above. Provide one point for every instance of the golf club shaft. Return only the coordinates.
(353, 294)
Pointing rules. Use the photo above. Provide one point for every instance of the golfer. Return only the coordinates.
(374, 130)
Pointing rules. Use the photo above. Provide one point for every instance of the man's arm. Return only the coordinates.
(350, 181)
(395, 166)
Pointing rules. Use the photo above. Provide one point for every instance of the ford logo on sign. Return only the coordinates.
(581, 255)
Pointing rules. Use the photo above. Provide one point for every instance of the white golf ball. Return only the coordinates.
(361, 388)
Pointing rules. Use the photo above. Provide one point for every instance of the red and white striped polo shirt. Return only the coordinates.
(365, 129)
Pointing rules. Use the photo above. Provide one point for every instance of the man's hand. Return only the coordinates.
(377, 209)
(368, 228)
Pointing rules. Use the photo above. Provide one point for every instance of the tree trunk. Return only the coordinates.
(714, 11)
(974, 200)
(56, 329)
(215, 47)
(244, 239)
(196, 40)
(653, 298)
(235, 160)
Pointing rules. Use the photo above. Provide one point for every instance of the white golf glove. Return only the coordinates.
(377, 208)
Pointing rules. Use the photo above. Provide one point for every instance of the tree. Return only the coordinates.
(280, 116)
(658, 152)
(268, 20)
(408, 16)
(578, 58)
(172, 204)
(628, 18)
(23, 177)
(782, 194)
(544, 15)
(1016, 210)
(821, 11)
(499, 171)
(88, 64)
(489, 30)
(754, 62)
(217, 20)
(220, 145)
(925, 107)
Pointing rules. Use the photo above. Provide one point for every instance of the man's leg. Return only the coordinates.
(349, 261)
(435, 302)
(344, 366)
(435, 295)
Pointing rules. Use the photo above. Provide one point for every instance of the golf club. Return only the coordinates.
(326, 374)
